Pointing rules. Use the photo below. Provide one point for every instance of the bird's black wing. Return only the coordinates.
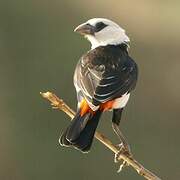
(105, 74)
(116, 83)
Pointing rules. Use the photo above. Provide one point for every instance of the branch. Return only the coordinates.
(61, 105)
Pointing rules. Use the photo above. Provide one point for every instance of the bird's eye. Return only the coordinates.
(99, 26)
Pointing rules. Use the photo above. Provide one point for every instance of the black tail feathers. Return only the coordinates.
(80, 132)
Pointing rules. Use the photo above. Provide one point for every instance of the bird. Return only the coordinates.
(104, 78)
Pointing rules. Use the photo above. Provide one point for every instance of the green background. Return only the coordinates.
(39, 51)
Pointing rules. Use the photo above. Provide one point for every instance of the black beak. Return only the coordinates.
(85, 29)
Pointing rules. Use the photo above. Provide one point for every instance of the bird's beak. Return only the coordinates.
(85, 29)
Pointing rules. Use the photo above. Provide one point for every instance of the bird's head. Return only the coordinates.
(102, 32)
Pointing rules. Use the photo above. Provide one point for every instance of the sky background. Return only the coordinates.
(39, 51)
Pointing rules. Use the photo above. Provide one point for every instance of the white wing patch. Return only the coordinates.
(121, 102)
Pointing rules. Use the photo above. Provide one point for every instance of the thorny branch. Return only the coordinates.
(61, 105)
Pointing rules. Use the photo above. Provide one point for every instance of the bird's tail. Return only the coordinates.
(80, 132)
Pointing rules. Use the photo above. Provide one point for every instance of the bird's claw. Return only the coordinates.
(123, 165)
(122, 150)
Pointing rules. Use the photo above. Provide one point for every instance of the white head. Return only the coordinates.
(102, 32)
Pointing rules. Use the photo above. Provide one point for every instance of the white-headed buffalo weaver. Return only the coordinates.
(103, 78)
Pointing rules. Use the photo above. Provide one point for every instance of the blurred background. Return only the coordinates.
(39, 51)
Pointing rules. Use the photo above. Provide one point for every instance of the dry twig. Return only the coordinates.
(61, 105)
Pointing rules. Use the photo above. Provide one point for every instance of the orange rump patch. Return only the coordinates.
(85, 108)
(107, 105)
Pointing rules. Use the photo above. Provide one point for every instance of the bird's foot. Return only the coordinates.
(122, 150)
